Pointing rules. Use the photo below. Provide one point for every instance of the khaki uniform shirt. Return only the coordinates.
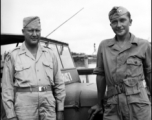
(21, 69)
(119, 64)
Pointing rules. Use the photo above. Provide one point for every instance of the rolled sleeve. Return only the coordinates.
(147, 66)
(59, 87)
(8, 88)
(99, 70)
(147, 60)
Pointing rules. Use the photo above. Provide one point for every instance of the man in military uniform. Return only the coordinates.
(32, 87)
(123, 62)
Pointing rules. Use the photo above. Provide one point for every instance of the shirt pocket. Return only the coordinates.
(134, 67)
(135, 91)
(48, 67)
(131, 86)
(22, 71)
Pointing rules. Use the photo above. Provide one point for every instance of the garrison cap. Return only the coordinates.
(116, 12)
(31, 21)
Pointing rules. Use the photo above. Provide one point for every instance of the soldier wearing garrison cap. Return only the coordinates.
(32, 86)
(123, 64)
(117, 12)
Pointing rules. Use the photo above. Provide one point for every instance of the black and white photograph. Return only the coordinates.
(75, 60)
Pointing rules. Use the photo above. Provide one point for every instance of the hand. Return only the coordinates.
(14, 118)
(94, 110)
(60, 115)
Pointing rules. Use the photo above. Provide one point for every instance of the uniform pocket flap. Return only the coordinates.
(22, 67)
(130, 82)
(49, 70)
(131, 86)
(133, 62)
(47, 64)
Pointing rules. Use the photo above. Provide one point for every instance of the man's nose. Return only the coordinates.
(118, 24)
(34, 33)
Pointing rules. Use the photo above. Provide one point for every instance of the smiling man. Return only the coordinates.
(32, 85)
(123, 63)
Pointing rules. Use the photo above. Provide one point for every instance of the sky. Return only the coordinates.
(90, 26)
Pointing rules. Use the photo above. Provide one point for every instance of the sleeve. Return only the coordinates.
(147, 66)
(59, 86)
(99, 70)
(100, 79)
(8, 87)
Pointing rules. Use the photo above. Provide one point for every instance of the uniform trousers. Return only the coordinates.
(124, 111)
(35, 105)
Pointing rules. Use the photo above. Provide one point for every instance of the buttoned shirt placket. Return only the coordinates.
(121, 54)
(39, 54)
(28, 54)
(121, 57)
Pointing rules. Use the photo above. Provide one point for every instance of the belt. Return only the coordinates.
(115, 90)
(118, 89)
(34, 89)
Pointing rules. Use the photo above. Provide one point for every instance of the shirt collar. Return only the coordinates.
(133, 40)
(24, 49)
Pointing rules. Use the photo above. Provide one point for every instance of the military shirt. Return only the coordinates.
(21, 69)
(117, 64)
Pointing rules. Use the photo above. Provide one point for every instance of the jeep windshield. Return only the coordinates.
(63, 54)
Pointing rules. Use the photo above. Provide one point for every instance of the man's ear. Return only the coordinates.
(130, 22)
(23, 31)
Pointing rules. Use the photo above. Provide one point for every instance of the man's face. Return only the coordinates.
(32, 35)
(121, 25)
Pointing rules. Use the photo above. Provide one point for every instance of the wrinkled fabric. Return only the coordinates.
(121, 110)
(35, 106)
(127, 66)
(21, 69)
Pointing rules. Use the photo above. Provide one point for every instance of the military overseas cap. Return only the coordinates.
(116, 12)
(31, 21)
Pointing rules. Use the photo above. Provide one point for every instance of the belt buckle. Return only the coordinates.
(42, 88)
(120, 88)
